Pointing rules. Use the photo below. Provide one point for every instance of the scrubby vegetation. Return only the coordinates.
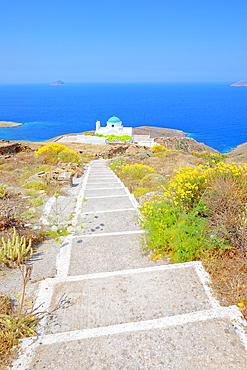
(53, 152)
(136, 171)
(26, 180)
(195, 210)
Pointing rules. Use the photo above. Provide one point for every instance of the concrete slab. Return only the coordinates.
(99, 166)
(103, 176)
(100, 169)
(103, 185)
(115, 253)
(98, 179)
(101, 179)
(110, 222)
(93, 205)
(128, 298)
(101, 173)
(193, 346)
(103, 192)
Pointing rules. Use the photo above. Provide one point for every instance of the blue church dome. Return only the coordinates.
(114, 119)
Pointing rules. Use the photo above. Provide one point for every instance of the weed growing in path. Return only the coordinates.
(61, 225)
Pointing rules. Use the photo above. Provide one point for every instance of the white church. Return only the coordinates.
(114, 126)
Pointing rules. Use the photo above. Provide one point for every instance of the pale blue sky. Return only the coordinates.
(123, 41)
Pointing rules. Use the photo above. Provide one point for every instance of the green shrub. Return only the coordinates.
(140, 191)
(111, 138)
(178, 235)
(116, 164)
(31, 193)
(136, 171)
(29, 213)
(210, 157)
(153, 181)
(35, 185)
(36, 202)
(69, 156)
(44, 167)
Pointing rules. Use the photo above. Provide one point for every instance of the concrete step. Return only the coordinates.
(92, 178)
(109, 204)
(107, 222)
(106, 253)
(136, 295)
(104, 185)
(200, 345)
(103, 192)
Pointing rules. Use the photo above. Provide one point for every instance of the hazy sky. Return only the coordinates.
(123, 40)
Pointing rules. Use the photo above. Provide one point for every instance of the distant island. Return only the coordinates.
(5, 124)
(58, 83)
(240, 83)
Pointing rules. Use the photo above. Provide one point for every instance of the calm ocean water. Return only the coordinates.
(215, 114)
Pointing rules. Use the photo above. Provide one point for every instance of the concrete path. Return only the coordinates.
(117, 310)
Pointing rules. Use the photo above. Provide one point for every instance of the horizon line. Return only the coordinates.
(116, 82)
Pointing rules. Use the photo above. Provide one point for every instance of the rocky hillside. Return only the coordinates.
(239, 153)
(156, 132)
(187, 144)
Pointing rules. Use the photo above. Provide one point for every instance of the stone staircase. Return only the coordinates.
(114, 309)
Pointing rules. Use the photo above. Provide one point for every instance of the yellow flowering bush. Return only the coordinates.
(52, 152)
(189, 184)
(210, 157)
(159, 148)
(136, 171)
(188, 196)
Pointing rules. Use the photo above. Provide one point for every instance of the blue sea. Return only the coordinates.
(212, 113)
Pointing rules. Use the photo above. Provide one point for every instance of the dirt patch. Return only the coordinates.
(156, 132)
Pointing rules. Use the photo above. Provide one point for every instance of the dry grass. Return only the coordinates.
(229, 277)
(5, 305)
(163, 165)
(226, 199)
(6, 351)
(239, 153)
(11, 211)
(88, 148)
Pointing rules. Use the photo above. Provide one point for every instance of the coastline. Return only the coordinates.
(8, 124)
